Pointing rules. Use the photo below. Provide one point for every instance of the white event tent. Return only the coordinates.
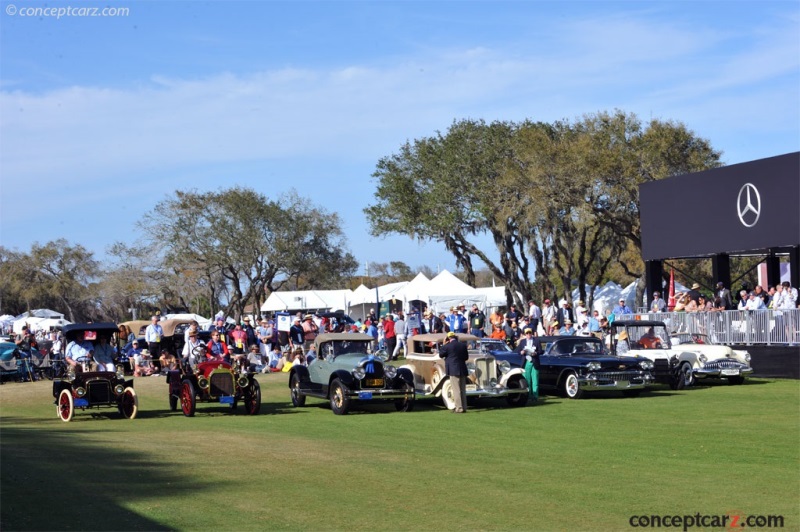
(303, 300)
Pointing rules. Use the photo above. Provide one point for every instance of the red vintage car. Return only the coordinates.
(213, 381)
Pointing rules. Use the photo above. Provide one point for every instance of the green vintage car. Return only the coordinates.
(346, 371)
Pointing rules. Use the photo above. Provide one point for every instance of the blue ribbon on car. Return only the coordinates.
(369, 365)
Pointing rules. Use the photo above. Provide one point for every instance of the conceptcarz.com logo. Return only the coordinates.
(748, 205)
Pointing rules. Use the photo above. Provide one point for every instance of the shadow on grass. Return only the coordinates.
(427, 404)
(57, 480)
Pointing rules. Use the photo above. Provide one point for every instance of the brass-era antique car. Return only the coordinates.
(345, 371)
(212, 380)
(488, 377)
(89, 386)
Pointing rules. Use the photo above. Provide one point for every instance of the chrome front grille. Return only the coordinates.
(724, 364)
(485, 371)
(99, 392)
(221, 383)
(616, 376)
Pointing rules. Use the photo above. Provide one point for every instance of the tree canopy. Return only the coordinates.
(559, 200)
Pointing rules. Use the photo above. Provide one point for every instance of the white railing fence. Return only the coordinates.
(749, 327)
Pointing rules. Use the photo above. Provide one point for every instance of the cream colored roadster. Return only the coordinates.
(487, 377)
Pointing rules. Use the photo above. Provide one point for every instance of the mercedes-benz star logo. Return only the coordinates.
(748, 205)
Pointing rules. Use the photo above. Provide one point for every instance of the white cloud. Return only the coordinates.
(714, 80)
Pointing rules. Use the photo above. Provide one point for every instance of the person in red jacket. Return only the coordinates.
(389, 334)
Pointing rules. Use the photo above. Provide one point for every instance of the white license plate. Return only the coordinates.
(730, 372)
(472, 387)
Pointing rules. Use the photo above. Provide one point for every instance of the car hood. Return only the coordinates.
(515, 359)
(715, 352)
(607, 362)
(351, 361)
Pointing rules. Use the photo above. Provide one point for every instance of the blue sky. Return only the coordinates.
(102, 117)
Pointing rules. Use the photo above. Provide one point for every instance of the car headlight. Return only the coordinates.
(702, 358)
(202, 382)
(504, 366)
(747, 357)
(593, 366)
(120, 372)
(359, 373)
(390, 372)
(242, 381)
(118, 389)
(80, 391)
(646, 365)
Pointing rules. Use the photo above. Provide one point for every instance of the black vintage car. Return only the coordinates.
(86, 387)
(212, 380)
(345, 371)
(572, 365)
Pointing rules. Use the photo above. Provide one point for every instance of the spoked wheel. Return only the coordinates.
(517, 399)
(252, 399)
(340, 403)
(572, 387)
(66, 405)
(447, 395)
(188, 398)
(298, 398)
(129, 403)
(407, 403)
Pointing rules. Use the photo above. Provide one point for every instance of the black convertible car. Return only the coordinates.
(572, 365)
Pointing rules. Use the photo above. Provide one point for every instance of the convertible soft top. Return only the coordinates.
(341, 337)
(74, 330)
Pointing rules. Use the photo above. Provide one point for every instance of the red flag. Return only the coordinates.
(671, 300)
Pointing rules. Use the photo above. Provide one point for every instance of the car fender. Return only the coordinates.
(301, 372)
(345, 377)
(692, 357)
(59, 385)
(507, 377)
(405, 374)
(562, 374)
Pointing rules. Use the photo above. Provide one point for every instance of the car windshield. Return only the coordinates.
(342, 347)
(647, 337)
(576, 345)
(487, 346)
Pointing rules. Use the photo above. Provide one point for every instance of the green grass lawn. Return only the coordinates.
(560, 465)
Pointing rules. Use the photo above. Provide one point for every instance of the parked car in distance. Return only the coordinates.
(212, 380)
(85, 388)
(488, 377)
(711, 361)
(137, 327)
(573, 365)
(346, 371)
